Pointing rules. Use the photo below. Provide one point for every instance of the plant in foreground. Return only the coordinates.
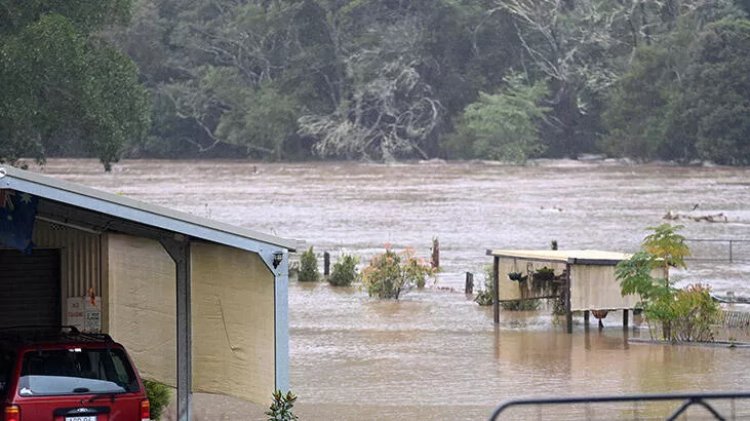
(281, 407)
(158, 395)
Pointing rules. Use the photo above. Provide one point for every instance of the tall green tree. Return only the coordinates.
(713, 108)
(503, 126)
(66, 90)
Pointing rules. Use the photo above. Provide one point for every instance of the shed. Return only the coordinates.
(583, 279)
(199, 304)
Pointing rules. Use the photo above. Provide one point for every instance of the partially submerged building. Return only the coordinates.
(199, 304)
(580, 280)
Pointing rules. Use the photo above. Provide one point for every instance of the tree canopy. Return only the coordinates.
(66, 89)
(376, 80)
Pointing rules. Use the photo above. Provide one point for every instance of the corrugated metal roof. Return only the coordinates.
(591, 257)
(134, 210)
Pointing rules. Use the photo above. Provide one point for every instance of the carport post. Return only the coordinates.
(179, 249)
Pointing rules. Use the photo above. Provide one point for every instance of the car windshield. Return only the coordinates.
(76, 371)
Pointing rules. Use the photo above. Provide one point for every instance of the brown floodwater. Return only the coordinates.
(435, 354)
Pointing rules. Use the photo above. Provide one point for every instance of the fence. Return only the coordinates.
(719, 250)
(708, 401)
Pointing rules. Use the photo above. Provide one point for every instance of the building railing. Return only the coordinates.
(719, 250)
(685, 401)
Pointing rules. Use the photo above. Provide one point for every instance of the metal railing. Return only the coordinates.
(686, 400)
(719, 250)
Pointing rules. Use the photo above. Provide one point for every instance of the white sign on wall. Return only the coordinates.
(74, 313)
(85, 313)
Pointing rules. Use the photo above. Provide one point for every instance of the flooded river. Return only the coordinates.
(435, 354)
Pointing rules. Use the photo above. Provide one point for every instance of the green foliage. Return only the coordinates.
(344, 271)
(521, 305)
(685, 315)
(308, 271)
(694, 314)
(712, 109)
(66, 90)
(158, 395)
(487, 295)
(504, 126)
(281, 407)
(391, 273)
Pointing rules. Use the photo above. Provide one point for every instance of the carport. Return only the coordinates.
(199, 304)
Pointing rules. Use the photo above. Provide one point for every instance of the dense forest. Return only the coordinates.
(376, 79)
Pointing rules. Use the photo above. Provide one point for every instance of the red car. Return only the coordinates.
(64, 375)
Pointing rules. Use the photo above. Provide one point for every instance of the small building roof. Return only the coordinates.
(581, 257)
(70, 194)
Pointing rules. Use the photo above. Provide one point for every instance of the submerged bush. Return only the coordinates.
(308, 267)
(158, 395)
(391, 273)
(344, 271)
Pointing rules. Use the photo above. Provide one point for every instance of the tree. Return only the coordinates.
(684, 314)
(503, 126)
(712, 110)
(67, 91)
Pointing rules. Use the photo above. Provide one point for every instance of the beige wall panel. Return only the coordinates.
(233, 323)
(142, 303)
(596, 288)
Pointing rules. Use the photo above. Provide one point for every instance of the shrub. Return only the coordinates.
(308, 270)
(391, 273)
(158, 395)
(344, 271)
(521, 305)
(281, 407)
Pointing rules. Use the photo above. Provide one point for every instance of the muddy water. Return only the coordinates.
(436, 354)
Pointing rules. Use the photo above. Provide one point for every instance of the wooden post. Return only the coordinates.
(435, 253)
(469, 289)
(326, 263)
(625, 318)
(568, 311)
(586, 317)
(496, 287)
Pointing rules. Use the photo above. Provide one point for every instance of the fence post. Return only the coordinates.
(731, 243)
(469, 289)
(326, 263)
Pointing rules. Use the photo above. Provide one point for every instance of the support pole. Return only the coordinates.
(625, 318)
(568, 311)
(496, 288)
(586, 317)
(179, 250)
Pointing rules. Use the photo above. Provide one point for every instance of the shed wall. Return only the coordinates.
(233, 323)
(596, 288)
(80, 257)
(142, 304)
